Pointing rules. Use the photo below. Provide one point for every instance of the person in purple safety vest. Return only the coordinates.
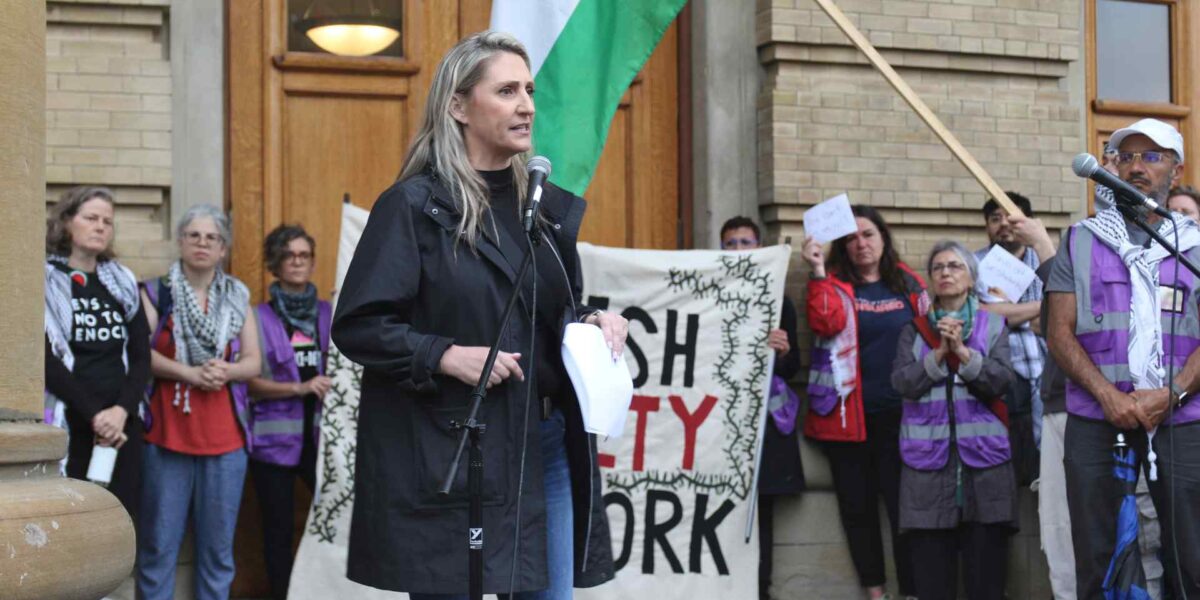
(294, 334)
(958, 493)
(1125, 328)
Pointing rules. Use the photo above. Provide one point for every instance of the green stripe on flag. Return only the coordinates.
(595, 58)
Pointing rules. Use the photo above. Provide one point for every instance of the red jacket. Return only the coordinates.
(827, 317)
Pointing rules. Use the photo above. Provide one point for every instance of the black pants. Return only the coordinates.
(983, 550)
(275, 485)
(1094, 499)
(862, 471)
(766, 544)
(126, 482)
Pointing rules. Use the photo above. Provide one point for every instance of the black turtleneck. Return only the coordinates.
(553, 292)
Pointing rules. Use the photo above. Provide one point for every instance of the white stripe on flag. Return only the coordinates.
(536, 23)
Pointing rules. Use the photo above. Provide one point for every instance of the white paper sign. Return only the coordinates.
(830, 220)
(1000, 269)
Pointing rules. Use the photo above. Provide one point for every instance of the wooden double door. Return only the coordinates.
(306, 130)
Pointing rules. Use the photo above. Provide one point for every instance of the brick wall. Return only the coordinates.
(108, 116)
(994, 71)
(1000, 75)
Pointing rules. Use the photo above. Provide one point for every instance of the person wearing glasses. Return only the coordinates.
(203, 350)
(1024, 399)
(781, 472)
(1113, 307)
(294, 336)
(858, 301)
(958, 493)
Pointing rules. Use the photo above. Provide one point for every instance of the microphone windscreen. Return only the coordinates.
(538, 163)
(1084, 165)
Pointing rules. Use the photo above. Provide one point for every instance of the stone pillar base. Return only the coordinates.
(59, 538)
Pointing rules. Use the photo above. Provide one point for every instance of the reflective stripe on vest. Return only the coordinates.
(982, 439)
(1102, 297)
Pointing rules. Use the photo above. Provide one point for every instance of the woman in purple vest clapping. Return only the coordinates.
(294, 334)
(958, 494)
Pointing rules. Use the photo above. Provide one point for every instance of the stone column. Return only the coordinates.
(59, 538)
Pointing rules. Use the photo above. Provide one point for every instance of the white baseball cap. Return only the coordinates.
(1160, 133)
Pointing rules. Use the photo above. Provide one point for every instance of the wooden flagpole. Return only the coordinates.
(918, 105)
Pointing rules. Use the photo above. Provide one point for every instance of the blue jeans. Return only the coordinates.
(560, 534)
(174, 484)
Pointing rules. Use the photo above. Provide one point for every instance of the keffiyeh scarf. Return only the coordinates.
(203, 335)
(1145, 324)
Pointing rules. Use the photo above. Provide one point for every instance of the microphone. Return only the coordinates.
(538, 168)
(1085, 165)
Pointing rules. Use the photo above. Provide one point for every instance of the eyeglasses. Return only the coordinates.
(952, 267)
(195, 237)
(735, 243)
(300, 257)
(1150, 157)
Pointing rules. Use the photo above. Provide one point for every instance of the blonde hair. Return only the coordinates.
(439, 145)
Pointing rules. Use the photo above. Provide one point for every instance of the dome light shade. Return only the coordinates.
(351, 36)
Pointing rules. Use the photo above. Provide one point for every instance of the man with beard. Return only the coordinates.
(1110, 305)
(1028, 350)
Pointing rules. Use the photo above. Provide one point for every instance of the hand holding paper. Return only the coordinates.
(830, 220)
(603, 386)
(1000, 269)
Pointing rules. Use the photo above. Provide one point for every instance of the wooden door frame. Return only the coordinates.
(1185, 88)
(257, 83)
(685, 235)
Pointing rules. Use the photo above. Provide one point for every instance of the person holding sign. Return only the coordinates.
(859, 299)
(958, 494)
(422, 301)
(782, 473)
(1028, 350)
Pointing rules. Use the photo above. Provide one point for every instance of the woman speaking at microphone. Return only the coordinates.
(421, 303)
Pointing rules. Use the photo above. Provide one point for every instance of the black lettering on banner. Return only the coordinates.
(634, 313)
(600, 302)
(658, 531)
(626, 505)
(705, 530)
(673, 348)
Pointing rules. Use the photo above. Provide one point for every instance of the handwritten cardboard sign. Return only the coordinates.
(830, 220)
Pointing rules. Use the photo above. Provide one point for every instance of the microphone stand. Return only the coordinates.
(1134, 216)
(471, 431)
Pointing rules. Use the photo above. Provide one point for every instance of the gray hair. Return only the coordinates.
(439, 144)
(966, 256)
(218, 216)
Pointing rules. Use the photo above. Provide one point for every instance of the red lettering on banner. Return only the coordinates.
(691, 422)
(641, 405)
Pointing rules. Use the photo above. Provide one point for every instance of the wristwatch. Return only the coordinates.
(1178, 395)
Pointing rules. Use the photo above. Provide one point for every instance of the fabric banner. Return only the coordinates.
(678, 484)
(319, 572)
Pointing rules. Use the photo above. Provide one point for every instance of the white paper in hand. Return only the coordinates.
(830, 220)
(1001, 270)
(604, 386)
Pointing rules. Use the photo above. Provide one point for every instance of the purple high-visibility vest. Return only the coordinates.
(277, 424)
(982, 439)
(1102, 299)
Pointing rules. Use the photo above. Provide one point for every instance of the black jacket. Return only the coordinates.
(408, 295)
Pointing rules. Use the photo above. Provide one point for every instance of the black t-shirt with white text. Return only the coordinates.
(98, 334)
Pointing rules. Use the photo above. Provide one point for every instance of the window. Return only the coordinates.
(1133, 51)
